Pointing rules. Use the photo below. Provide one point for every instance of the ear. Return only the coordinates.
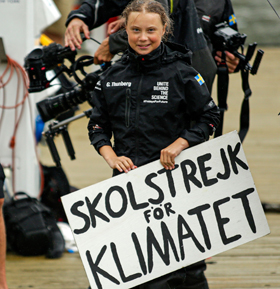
(164, 29)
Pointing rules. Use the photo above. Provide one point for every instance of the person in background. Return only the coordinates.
(146, 124)
(3, 282)
(211, 13)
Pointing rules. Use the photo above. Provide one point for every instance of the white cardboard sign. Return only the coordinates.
(138, 226)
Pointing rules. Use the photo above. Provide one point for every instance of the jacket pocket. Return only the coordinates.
(127, 107)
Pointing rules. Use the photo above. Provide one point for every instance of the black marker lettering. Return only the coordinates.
(133, 202)
(149, 182)
(222, 221)
(191, 176)
(170, 180)
(139, 253)
(97, 270)
(198, 211)
(74, 210)
(119, 266)
(226, 174)
(123, 207)
(93, 212)
(234, 159)
(243, 196)
(183, 224)
(152, 242)
(203, 170)
(168, 209)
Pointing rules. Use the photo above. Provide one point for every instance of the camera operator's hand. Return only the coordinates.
(73, 32)
(168, 154)
(231, 60)
(103, 54)
(115, 26)
(122, 164)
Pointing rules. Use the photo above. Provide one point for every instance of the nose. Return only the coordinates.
(143, 36)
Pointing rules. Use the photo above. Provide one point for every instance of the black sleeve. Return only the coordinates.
(97, 12)
(201, 108)
(99, 128)
(204, 63)
(229, 15)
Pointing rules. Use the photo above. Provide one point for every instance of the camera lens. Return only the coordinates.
(50, 108)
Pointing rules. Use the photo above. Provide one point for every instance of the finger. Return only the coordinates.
(219, 53)
(111, 28)
(86, 31)
(131, 164)
(97, 60)
(218, 59)
(66, 42)
(77, 39)
(118, 167)
(230, 56)
(125, 166)
(128, 163)
(72, 40)
(166, 160)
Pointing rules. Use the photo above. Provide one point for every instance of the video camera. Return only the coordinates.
(227, 39)
(41, 60)
(52, 57)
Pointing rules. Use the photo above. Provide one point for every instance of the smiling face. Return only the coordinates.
(145, 31)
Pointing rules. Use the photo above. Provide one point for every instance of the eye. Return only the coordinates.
(151, 29)
(135, 30)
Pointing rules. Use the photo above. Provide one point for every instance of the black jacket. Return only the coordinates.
(148, 101)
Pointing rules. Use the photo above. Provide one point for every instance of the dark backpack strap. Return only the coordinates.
(245, 109)
(222, 93)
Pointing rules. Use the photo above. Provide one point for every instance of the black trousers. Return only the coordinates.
(190, 277)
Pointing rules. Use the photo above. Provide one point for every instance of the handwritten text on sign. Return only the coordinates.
(138, 226)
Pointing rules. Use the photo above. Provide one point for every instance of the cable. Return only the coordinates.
(23, 82)
(95, 40)
(273, 9)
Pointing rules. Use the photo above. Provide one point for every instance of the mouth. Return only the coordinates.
(143, 46)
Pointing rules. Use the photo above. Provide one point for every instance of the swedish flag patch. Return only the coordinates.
(199, 79)
(232, 20)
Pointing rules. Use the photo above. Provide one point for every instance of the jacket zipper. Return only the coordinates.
(137, 116)
(127, 107)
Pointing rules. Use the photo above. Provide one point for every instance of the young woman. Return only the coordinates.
(147, 101)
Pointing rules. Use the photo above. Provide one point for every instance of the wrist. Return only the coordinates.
(184, 144)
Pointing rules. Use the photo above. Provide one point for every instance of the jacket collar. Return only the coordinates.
(165, 53)
(146, 62)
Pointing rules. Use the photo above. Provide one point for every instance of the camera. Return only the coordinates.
(51, 107)
(226, 38)
(52, 57)
(40, 60)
